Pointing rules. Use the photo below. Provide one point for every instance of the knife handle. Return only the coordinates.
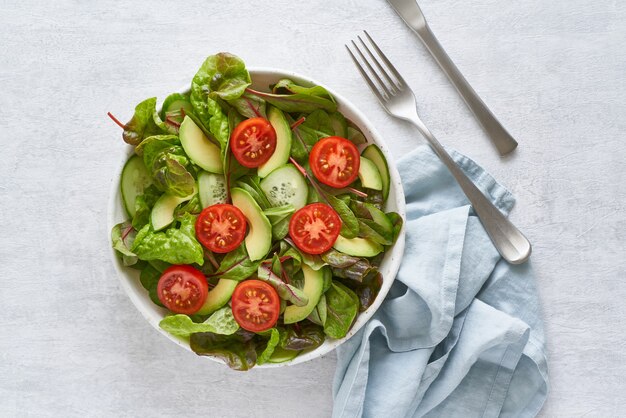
(503, 141)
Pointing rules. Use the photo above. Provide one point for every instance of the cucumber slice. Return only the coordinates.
(211, 189)
(199, 148)
(218, 296)
(280, 355)
(369, 175)
(259, 238)
(283, 142)
(313, 288)
(358, 247)
(339, 124)
(375, 155)
(135, 179)
(162, 214)
(286, 186)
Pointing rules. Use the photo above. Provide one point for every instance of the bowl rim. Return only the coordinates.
(396, 252)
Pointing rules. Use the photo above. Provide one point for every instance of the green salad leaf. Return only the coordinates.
(306, 336)
(349, 222)
(221, 321)
(249, 105)
(237, 350)
(236, 265)
(143, 206)
(342, 305)
(296, 103)
(174, 245)
(145, 122)
(318, 315)
(149, 279)
(122, 236)
(269, 348)
(286, 86)
(347, 266)
(285, 291)
(167, 163)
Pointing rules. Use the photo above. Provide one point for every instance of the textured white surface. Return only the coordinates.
(72, 344)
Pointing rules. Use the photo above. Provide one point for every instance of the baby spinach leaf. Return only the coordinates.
(285, 291)
(249, 105)
(175, 245)
(397, 222)
(306, 336)
(221, 321)
(149, 279)
(342, 306)
(236, 350)
(371, 230)
(349, 222)
(286, 86)
(319, 123)
(296, 103)
(145, 122)
(318, 315)
(269, 348)
(236, 265)
(175, 107)
(122, 236)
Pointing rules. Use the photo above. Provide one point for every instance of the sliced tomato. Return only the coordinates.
(255, 305)
(335, 161)
(253, 142)
(182, 289)
(221, 228)
(315, 228)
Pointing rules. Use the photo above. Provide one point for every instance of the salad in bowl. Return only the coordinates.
(255, 218)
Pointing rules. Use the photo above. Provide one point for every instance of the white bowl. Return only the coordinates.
(261, 79)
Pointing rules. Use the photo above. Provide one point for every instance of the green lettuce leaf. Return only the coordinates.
(167, 163)
(296, 103)
(143, 206)
(285, 291)
(342, 305)
(145, 122)
(221, 321)
(349, 222)
(122, 236)
(175, 245)
(271, 345)
(250, 106)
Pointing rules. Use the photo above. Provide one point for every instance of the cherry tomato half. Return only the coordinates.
(182, 289)
(253, 142)
(315, 228)
(335, 161)
(221, 228)
(255, 305)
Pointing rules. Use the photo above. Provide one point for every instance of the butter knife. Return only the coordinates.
(411, 13)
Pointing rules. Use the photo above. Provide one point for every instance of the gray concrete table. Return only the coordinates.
(72, 344)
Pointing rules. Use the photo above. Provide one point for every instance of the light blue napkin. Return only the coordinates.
(460, 333)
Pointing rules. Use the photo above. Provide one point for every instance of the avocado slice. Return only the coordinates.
(218, 296)
(313, 288)
(369, 175)
(199, 148)
(358, 247)
(259, 238)
(375, 155)
(280, 355)
(283, 142)
(162, 214)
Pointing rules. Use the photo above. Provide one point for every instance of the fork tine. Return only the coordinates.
(384, 72)
(401, 82)
(380, 81)
(367, 78)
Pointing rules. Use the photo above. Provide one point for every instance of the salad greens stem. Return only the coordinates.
(296, 124)
(209, 256)
(116, 120)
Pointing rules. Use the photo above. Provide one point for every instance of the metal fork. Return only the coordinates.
(399, 101)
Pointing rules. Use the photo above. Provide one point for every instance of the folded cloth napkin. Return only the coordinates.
(460, 333)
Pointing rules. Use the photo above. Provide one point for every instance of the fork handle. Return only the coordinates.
(512, 245)
(503, 141)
